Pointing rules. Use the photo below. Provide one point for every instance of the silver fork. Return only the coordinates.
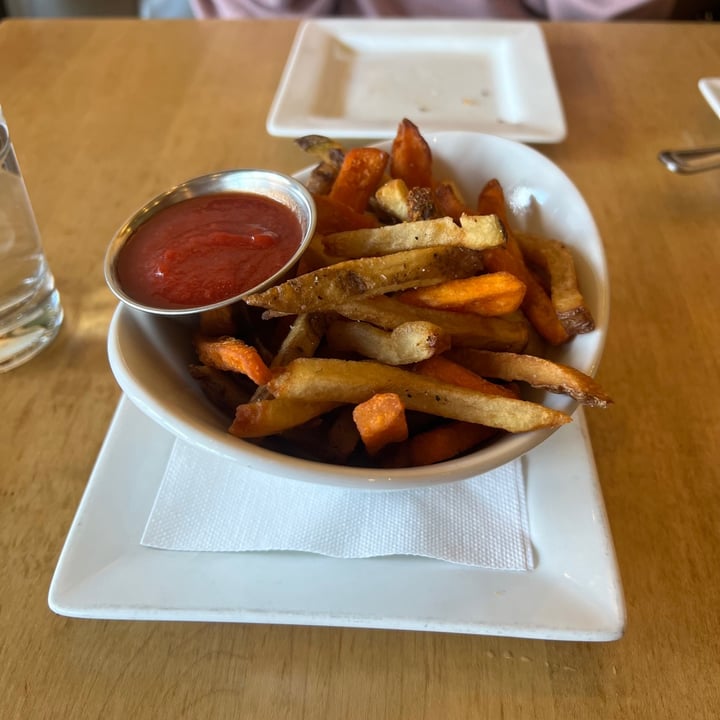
(687, 162)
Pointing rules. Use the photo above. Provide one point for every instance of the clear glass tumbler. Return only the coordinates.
(30, 310)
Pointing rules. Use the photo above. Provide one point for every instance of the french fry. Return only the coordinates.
(438, 444)
(323, 148)
(555, 259)
(536, 371)
(302, 339)
(465, 329)
(331, 155)
(342, 435)
(476, 233)
(536, 303)
(352, 381)
(408, 343)
(327, 287)
(334, 216)
(275, 415)
(232, 354)
(218, 321)
(410, 156)
(444, 369)
(380, 420)
(490, 294)
(360, 175)
(421, 205)
(448, 201)
(447, 307)
(315, 257)
(224, 390)
(328, 438)
(392, 197)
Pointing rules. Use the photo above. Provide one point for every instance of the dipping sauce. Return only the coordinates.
(206, 249)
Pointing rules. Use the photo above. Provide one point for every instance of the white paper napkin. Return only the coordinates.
(206, 503)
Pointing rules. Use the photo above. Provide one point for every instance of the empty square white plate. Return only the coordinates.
(358, 78)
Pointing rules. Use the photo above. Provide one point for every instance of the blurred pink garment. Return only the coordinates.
(553, 9)
(601, 9)
(227, 9)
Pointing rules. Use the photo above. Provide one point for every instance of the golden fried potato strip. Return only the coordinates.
(355, 381)
(275, 415)
(323, 289)
(536, 371)
(408, 343)
(555, 259)
(392, 198)
(331, 155)
(302, 339)
(478, 232)
(465, 329)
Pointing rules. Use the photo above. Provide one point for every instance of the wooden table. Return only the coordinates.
(105, 114)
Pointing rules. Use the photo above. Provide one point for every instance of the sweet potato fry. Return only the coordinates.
(233, 354)
(411, 157)
(275, 415)
(380, 421)
(491, 294)
(426, 315)
(359, 177)
(438, 444)
(325, 288)
(476, 233)
(352, 381)
(536, 303)
(441, 368)
(465, 329)
(334, 216)
(448, 201)
(408, 343)
(536, 371)
(557, 262)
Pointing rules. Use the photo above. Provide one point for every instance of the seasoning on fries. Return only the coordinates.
(404, 337)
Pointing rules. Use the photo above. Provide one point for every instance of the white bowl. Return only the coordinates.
(149, 354)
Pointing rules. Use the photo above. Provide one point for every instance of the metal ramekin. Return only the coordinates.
(283, 188)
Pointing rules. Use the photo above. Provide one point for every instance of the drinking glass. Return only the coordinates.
(30, 310)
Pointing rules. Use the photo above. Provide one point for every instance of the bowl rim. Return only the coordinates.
(286, 186)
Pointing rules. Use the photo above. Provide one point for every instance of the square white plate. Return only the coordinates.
(358, 78)
(573, 594)
(710, 89)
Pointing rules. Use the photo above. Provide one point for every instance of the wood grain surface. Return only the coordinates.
(105, 114)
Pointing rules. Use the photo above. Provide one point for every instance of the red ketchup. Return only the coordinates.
(206, 249)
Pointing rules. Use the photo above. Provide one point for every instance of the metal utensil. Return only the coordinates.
(687, 162)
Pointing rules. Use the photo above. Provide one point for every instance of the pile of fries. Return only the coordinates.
(412, 326)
